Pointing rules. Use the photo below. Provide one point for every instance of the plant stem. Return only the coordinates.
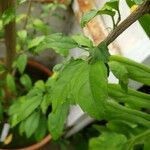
(119, 17)
(10, 35)
(134, 16)
(10, 42)
(28, 14)
(137, 139)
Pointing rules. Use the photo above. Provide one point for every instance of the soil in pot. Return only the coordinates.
(36, 71)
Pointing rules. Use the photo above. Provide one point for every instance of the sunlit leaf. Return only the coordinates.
(58, 42)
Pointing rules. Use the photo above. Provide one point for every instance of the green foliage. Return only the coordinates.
(120, 72)
(8, 16)
(31, 123)
(22, 35)
(92, 86)
(120, 135)
(109, 8)
(56, 120)
(21, 63)
(144, 19)
(138, 1)
(112, 4)
(10, 82)
(100, 53)
(45, 103)
(80, 82)
(93, 13)
(132, 97)
(42, 129)
(20, 17)
(87, 17)
(135, 71)
(26, 81)
(58, 42)
(82, 41)
(26, 107)
(36, 42)
(108, 141)
(39, 25)
(85, 81)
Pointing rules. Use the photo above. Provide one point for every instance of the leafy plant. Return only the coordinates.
(84, 81)
(24, 103)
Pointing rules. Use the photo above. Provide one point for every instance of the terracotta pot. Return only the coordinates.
(37, 66)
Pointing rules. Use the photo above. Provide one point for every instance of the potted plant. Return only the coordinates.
(83, 81)
(115, 129)
(18, 73)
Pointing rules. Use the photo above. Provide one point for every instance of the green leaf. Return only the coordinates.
(40, 85)
(8, 16)
(120, 72)
(138, 139)
(21, 62)
(91, 89)
(64, 80)
(40, 25)
(22, 128)
(138, 1)
(15, 107)
(26, 81)
(31, 124)
(35, 42)
(45, 103)
(147, 144)
(131, 97)
(57, 119)
(112, 4)
(136, 71)
(117, 111)
(22, 35)
(26, 107)
(42, 128)
(87, 17)
(85, 84)
(59, 43)
(122, 127)
(143, 20)
(100, 53)
(82, 40)
(108, 141)
(10, 81)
